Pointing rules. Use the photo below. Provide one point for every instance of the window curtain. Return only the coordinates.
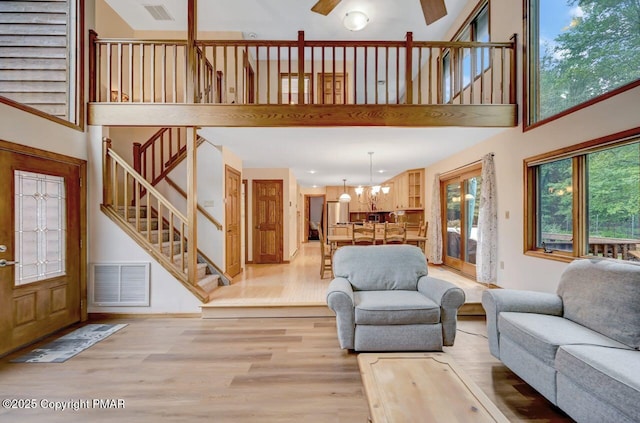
(435, 226)
(487, 253)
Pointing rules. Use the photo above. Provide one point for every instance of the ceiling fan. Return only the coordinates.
(432, 9)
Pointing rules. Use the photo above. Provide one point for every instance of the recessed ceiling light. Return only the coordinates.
(312, 171)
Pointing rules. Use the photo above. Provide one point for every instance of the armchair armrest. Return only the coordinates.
(450, 298)
(496, 301)
(340, 300)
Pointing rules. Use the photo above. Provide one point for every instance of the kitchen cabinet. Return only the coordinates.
(414, 188)
(333, 192)
(408, 190)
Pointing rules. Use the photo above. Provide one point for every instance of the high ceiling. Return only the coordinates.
(332, 153)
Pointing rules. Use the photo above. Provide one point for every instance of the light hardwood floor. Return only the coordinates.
(188, 369)
(298, 283)
(237, 370)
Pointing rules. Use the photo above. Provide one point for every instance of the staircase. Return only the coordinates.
(131, 200)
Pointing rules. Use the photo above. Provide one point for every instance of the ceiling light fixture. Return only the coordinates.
(344, 197)
(355, 20)
(369, 195)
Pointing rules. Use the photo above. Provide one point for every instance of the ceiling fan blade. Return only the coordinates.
(324, 7)
(433, 10)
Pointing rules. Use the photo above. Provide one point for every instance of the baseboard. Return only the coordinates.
(471, 309)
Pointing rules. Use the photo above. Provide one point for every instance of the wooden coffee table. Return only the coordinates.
(426, 387)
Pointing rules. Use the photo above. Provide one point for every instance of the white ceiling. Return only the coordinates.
(333, 153)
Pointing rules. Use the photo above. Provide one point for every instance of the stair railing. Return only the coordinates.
(156, 157)
(122, 187)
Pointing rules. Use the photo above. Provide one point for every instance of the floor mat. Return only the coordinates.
(67, 346)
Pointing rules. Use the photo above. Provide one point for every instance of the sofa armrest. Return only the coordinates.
(340, 300)
(450, 298)
(496, 301)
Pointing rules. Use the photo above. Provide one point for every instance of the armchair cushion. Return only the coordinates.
(380, 267)
(394, 308)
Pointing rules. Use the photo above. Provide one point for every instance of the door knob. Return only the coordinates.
(4, 263)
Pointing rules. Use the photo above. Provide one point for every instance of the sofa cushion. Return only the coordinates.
(394, 308)
(380, 267)
(604, 295)
(541, 334)
(610, 374)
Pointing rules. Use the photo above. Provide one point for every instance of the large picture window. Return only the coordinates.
(41, 53)
(578, 51)
(585, 200)
(466, 63)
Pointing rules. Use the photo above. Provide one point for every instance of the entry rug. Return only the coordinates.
(69, 345)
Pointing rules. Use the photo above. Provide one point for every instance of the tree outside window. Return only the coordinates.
(580, 50)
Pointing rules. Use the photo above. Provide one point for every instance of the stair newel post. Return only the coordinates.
(409, 68)
(301, 67)
(93, 50)
(192, 205)
(106, 172)
(137, 157)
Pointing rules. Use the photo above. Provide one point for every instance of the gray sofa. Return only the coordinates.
(384, 300)
(579, 347)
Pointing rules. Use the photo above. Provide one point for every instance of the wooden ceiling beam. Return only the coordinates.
(302, 115)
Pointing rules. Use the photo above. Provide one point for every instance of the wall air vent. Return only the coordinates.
(158, 12)
(119, 284)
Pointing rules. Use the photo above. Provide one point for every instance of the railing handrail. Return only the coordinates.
(183, 194)
(179, 42)
(341, 43)
(147, 186)
(152, 139)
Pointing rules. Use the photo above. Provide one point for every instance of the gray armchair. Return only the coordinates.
(384, 300)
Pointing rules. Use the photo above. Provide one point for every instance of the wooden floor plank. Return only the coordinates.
(191, 369)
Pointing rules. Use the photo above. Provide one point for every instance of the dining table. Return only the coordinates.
(337, 241)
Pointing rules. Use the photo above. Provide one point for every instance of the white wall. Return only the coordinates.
(27, 129)
(211, 161)
(513, 145)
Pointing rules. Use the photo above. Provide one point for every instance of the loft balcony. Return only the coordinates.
(301, 82)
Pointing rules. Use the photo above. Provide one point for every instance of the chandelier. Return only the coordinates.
(372, 194)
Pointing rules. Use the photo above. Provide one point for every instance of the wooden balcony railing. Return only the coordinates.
(305, 72)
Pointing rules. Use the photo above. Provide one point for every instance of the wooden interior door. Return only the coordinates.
(232, 221)
(332, 89)
(267, 221)
(40, 228)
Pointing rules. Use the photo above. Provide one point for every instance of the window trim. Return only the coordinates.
(578, 154)
(531, 53)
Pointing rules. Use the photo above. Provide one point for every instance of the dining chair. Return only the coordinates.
(395, 233)
(422, 229)
(363, 235)
(326, 264)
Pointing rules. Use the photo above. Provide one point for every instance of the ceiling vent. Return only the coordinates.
(158, 12)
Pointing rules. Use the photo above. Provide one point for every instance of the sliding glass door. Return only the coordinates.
(460, 199)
